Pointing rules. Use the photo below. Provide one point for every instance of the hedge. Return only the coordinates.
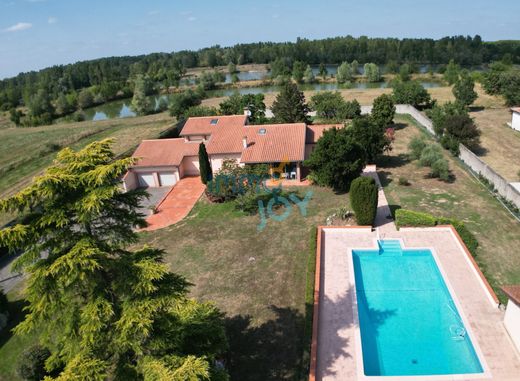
(410, 218)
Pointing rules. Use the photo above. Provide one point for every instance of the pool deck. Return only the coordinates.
(338, 342)
(336, 345)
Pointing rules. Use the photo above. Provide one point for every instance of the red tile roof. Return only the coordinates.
(203, 126)
(280, 142)
(159, 152)
(513, 292)
(515, 109)
(314, 132)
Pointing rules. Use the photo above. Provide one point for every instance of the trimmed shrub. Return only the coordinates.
(409, 218)
(403, 181)
(363, 198)
(32, 363)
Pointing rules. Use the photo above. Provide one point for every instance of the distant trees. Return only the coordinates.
(41, 110)
(308, 76)
(85, 99)
(141, 104)
(344, 73)
(102, 310)
(209, 80)
(464, 89)
(236, 104)
(412, 93)
(383, 110)
(280, 68)
(206, 174)
(322, 71)
(451, 75)
(298, 71)
(289, 105)
(503, 80)
(337, 159)
(180, 102)
(405, 72)
(330, 106)
(372, 73)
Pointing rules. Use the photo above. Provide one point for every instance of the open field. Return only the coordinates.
(500, 143)
(464, 198)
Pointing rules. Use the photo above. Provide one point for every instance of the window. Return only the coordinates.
(262, 131)
(213, 122)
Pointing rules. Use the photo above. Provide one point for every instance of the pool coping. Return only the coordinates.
(486, 374)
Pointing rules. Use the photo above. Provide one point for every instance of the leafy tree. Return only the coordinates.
(103, 311)
(298, 71)
(404, 73)
(209, 80)
(412, 93)
(392, 67)
(441, 169)
(15, 116)
(180, 102)
(206, 173)
(460, 129)
(234, 78)
(363, 198)
(354, 65)
(308, 76)
(41, 110)
(232, 68)
(141, 104)
(322, 71)
(439, 115)
(289, 105)
(464, 89)
(200, 111)
(510, 87)
(331, 106)
(370, 136)
(280, 67)
(337, 159)
(383, 110)
(344, 73)
(372, 72)
(85, 99)
(236, 104)
(451, 75)
(31, 365)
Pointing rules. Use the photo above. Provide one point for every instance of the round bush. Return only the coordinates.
(363, 199)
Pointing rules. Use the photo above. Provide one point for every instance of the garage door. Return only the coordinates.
(167, 178)
(145, 179)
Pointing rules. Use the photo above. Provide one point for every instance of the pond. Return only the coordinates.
(122, 109)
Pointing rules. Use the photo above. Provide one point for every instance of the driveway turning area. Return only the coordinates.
(176, 204)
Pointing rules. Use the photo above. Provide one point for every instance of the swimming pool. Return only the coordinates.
(408, 321)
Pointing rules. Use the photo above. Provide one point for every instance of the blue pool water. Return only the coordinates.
(409, 323)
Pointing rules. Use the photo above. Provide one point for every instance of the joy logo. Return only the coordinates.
(268, 210)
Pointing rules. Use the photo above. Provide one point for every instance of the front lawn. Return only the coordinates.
(257, 278)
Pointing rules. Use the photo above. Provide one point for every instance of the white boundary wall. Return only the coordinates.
(503, 187)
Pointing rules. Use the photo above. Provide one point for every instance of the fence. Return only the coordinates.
(502, 186)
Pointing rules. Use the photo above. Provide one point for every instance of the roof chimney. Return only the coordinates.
(244, 142)
(247, 112)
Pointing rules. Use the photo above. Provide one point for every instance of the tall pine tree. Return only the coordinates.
(103, 311)
(289, 105)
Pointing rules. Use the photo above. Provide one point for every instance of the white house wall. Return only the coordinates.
(512, 322)
(515, 123)
(217, 160)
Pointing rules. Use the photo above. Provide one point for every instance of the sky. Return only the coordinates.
(35, 34)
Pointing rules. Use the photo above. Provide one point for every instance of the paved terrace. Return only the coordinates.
(336, 336)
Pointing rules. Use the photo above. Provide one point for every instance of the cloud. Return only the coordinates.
(192, 18)
(52, 20)
(18, 27)
(276, 15)
(153, 13)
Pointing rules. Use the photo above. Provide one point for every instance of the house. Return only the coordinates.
(163, 162)
(515, 120)
(512, 316)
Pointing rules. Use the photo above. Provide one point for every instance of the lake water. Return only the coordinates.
(121, 108)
